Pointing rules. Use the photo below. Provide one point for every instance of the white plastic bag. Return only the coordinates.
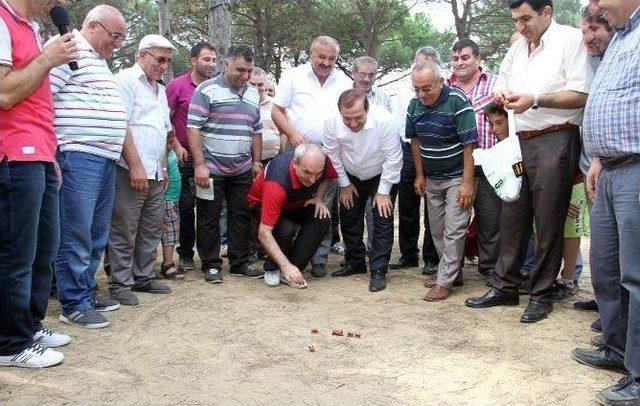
(502, 164)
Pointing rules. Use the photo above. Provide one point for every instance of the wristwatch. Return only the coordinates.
(535, 102)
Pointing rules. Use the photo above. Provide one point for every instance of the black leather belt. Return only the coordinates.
(610, 163)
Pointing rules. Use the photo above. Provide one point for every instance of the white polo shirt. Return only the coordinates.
(560, 62)
(309, 103)
(374, 150)
(147, 118)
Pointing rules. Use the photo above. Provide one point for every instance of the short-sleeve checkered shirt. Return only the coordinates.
(612, 114)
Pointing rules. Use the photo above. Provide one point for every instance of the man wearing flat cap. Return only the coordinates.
(141, 177)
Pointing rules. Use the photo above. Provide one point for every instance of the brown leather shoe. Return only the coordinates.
(430, 281)
(436, 293)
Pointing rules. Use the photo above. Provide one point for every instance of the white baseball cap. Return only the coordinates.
(155, 41)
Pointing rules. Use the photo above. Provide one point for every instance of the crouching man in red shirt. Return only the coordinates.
(287, 198)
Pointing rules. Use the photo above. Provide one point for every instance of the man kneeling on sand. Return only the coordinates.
(287, 199)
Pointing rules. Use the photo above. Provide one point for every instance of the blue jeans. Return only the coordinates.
(29, 235)
(615, 270)
(86, 205)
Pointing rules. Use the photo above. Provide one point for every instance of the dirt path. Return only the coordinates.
(242, 343)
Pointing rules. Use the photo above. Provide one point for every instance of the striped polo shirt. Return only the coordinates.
(227, 120)
(443, 130)
(89, 114)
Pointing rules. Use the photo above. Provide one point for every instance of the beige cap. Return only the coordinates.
(155, 41)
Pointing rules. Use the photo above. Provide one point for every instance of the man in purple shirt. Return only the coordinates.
(179, 93)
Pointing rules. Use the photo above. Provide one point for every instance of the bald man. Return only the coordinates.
(90, 124)
(287, 197)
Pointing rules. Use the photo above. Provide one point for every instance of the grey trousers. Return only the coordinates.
(615, 269)
(449, 224)
(136, 227)
(320, 257)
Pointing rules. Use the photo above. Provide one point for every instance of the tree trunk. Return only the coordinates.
(165, 30)
(220, 27)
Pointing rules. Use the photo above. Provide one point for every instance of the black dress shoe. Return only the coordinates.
(536, 310)
(349, 270)
(378, 280)
(625, 393)
(404, 263)
(494, 297)
(597, 326)
(599, 358)
(587, 305)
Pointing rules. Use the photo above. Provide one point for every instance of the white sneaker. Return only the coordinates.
(272, 278)
(34, 356)
(50, 339)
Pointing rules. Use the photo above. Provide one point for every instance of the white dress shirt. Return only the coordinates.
(400, 100)
(147, 117)
(374, 150)
(560, 62)
(307, 102)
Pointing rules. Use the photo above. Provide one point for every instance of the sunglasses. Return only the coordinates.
(116, 36)
(160, 59)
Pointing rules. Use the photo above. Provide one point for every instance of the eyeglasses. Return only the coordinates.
(160, 59)
(363, 75)
(116, 36)
(426, 89)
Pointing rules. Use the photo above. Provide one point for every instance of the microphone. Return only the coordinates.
(60, 19)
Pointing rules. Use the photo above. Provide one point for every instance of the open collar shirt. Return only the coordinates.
(560, 62)
(147, 118)
(612, 115)
(378, 97)
(374, 150)
(480, 95)
(308, 103)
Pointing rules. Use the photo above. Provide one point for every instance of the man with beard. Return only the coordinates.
(226, 145)
(179, 93)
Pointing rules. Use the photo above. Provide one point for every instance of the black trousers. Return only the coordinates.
(488, 210)
(409, 215)
(298, 234)
(187, 206)
(352, 227)
(234, 190)
(550, 163)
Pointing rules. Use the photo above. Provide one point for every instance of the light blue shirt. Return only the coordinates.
(612, 114)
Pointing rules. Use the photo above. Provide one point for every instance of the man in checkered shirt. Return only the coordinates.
(612, 139)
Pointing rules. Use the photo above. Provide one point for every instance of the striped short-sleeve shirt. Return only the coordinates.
(443, 130)
(227, 121)
(89, 113)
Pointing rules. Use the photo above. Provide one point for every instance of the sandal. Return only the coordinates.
(170, 271)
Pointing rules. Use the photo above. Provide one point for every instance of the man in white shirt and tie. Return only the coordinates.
(365, 150)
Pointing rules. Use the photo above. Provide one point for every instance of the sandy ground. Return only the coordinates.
(243, 343)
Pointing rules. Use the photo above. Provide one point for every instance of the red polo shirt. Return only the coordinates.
(280, 190)
(26, 129)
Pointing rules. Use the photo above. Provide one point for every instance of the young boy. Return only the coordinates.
(171, 222)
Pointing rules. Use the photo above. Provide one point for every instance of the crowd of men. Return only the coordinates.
(102, 167)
